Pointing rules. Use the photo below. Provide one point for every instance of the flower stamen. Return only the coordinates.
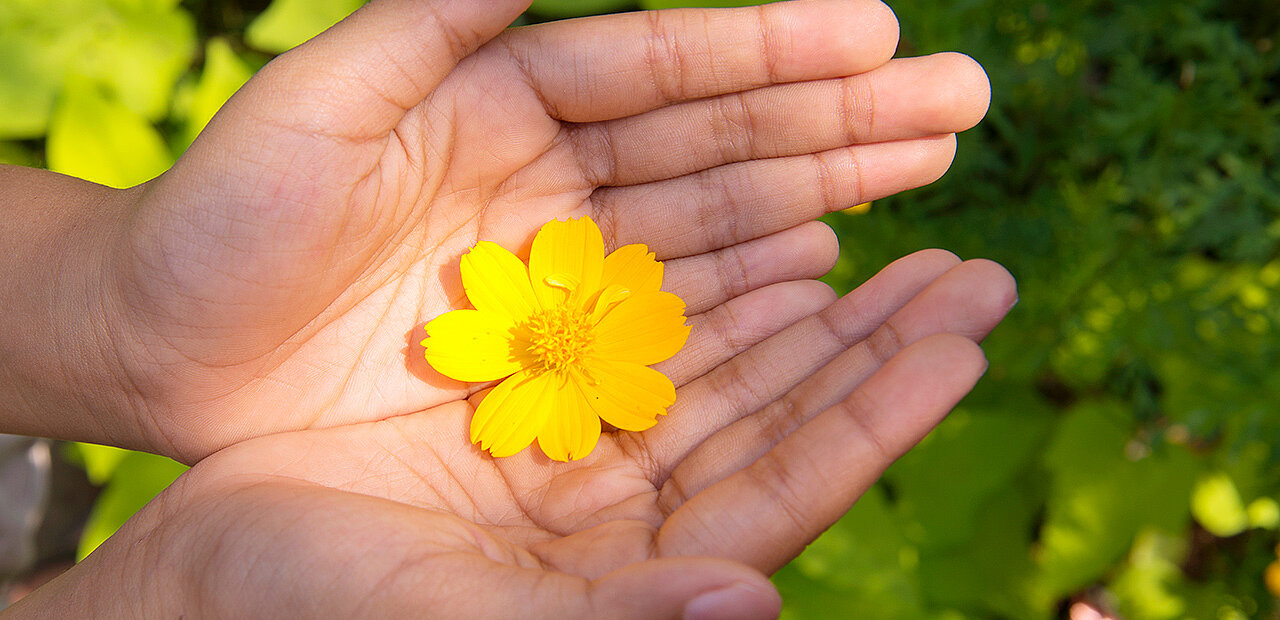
(559, 338)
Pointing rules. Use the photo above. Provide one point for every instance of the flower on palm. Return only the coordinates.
(571, 336)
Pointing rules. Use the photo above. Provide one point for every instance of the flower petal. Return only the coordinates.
(471, 345)
(496, 281)
(645, 328)
(626, 395)
(633, 267)
(513, 413)
(571, 255)
(573, 429)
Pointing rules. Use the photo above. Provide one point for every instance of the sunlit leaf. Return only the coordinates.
(1216, 504)
(287, 23)
(224, 73)
(1264, 513)
(863, 567)
(135, 50)
(1105, 489)
(99, 461)
(1148, 586)
(101, 140)
(137, 479)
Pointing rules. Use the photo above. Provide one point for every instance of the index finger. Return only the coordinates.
(613, 66)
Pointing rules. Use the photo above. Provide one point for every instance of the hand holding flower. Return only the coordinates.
(247, 313)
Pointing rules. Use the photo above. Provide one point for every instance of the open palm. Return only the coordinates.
(405, 517)
(278, 276)
(265, 297)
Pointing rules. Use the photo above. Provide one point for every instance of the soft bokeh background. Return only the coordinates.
(1122, 450)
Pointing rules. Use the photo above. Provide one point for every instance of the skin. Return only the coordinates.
(256, 311)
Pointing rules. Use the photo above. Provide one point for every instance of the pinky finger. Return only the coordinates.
(764, 515)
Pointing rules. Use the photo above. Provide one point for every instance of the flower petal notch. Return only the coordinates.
(571, 336)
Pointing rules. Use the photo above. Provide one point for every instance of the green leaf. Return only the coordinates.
(102, 140)
(576, 8)
(17, 154)
(135, 50)
(1105, 489)
(991, 574)
(670, 4)
(154, 6)
(943, 483)
(1216, 504)
(288, 23)
(1148, 585)
(863, 567)
(100, 462)
(137, 479)
(1264, 513)
(195, 104)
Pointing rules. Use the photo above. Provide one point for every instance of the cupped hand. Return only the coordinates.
(766, 446)
(278, 277)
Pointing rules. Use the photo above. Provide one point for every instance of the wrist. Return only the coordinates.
(60, 376)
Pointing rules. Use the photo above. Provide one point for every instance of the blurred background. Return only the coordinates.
(1120, 454)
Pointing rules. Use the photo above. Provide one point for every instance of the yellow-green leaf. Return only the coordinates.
(1216, 504)
(135, 49)
(287, 23)
(224, 73)
(137, 478)
(102, 140)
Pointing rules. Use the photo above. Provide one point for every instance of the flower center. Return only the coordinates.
(560, 337)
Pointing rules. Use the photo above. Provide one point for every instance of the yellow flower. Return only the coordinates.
(573, 334)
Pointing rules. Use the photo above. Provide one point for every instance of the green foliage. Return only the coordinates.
(1126, 175)
(865, 567)
(1121, 447)
(669, 4)
(286, 23)
(134, 480)
(196, 101)
(134, 49)
(98, 138)
(1104, 491)
(574, 8)
(1123, 439)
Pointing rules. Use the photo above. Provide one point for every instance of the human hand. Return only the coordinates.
(266, 283)
(404, 517)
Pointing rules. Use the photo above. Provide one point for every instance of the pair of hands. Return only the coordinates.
(257, 309)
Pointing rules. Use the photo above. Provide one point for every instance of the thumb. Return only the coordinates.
(691, 588)
(358, 78)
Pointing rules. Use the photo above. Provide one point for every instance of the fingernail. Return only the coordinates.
(739, 601)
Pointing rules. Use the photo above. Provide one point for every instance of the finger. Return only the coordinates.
(730, 204)
(904, 99)
(619, 65)
(764, 515)
(767, 371)
(398, 560)
(708, 280)
(692, 588)
(376, 64)
(736, 325)
(969, 300)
